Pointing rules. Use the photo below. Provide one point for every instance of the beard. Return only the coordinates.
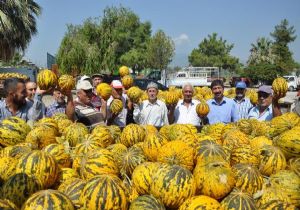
(19, 101)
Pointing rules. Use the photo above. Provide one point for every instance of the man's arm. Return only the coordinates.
(276, 106)
(136, 113)
(35, 112)
(103, 109)
(70, 107)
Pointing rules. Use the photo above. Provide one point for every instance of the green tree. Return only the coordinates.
(283, 35)
(17, 26)
(214, 51)
(261, 52)
(160, 50)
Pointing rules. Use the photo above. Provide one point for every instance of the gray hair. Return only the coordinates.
(187, 85)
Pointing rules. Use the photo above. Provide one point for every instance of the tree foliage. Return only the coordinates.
(17, 26)
(261, 52)
(118, 38)
(283, 34)
(213, 51)
(160, 50)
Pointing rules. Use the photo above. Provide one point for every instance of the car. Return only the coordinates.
(142, 84)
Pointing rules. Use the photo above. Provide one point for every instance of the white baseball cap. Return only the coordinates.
(83, 85)
(84, 77)
(116, 84)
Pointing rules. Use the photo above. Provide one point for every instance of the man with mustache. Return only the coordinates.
(243, 103)
(15, 103)
(222, 109)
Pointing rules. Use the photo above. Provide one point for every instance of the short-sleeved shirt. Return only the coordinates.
(55, 108)
(151, 113)
(29, 111)
(224, 112)
(88, 115)
(243, 107)
(120, 120)
(186, 115)
(267, 115)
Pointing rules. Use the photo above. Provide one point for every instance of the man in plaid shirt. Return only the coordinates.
(59, 105)
(243, 103)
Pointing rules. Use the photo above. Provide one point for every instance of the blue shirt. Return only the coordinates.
(243, 107)
(225, 112)
(267, 115)
(55, 108)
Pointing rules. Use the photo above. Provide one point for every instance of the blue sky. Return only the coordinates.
(187, 22)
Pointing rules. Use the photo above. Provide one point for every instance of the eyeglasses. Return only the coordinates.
(31, 89)
(263, 95)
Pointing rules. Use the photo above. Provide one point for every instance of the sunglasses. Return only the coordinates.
(263, 95)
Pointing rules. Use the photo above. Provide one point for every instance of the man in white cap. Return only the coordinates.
(96, 100)
(83, 109)
(151, 111)
(117, 119)
(267, 107)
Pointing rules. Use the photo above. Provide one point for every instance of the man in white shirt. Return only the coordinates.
(185, 110)
(151, 111)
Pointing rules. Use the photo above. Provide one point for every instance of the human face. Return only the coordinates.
(218, 91)
(264, 99)
(85, 96)
(97, 81)
(59, 97)
(19, 96)
(240, 93)
(188, 93)
(30, 89)
(152, 93)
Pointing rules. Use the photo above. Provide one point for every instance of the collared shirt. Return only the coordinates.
(88, 115)
(120, 120)
(151, 114)
(224, 112)
(28, 112)
(267, 115)
(55, 108)
(244, 106)
(186, 115)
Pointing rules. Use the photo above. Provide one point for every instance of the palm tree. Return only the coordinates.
(17, 25)
(261, 52)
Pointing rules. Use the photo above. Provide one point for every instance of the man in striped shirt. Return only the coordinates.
(243, 103)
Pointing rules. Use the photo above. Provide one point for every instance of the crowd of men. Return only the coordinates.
(25, 101)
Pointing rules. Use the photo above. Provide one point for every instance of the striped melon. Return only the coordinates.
(66, 82)
(97, 162)
(7, 205)
(63, 124)
(190, 139)
(178, 130)
(104, 90)
(248, 178)
(123, 71)
(65, 174)
(46, 79)
(214, 179)
(150, 129)
(15, 151)
(134, 94)
(115, 132)
(152, 143)
(127, 81)
(117, 150)
(269, 194)
(39, 164)
(104, 192)
(171, 98)
(41, 137)
(272, 160)
(116, 106)
(7, 167)
(294, 165)
(132, 134)
(173, 185)
(59, 153)
(59, 116)
(48, 199)
(19, 187)
(75, 133)
(284, 122)
(178, 153)
(201, 202)
(142, 176)
(280, 87)
(13, 130)
(202, 108)
(146, 202)
(244, 154)
(130, 160)
(289, 143)
(234, 138)
(48, 123)
(238, 200)
(103, 135)
(215, 131)
(73, 188)
(130, 189)
(288, 182)
(209, 149)
(87, 145)
(278, 205)
(258, 142)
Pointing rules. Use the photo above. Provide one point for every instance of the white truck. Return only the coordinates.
(293, 82)
(197, 76)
